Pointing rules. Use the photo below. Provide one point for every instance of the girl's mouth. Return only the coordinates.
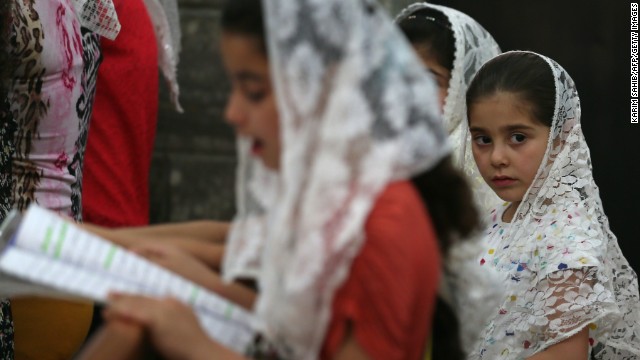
(256, 146)
(502, 181)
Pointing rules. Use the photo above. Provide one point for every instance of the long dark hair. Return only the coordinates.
(443, 189)
(431, 29)
(524, 74)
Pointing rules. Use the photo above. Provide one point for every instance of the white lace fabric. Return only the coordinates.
(473, 47)
(357, 111)
(562, 266)
(98, 16)
(166, 22)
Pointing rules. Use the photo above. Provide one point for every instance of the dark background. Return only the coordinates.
(193, 169)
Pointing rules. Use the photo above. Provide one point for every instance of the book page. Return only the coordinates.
(54, 252)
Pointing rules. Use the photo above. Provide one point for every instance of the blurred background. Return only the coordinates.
(193, 170)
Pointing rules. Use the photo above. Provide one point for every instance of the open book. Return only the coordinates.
(44, 254)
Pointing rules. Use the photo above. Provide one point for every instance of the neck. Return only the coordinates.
(510, 212)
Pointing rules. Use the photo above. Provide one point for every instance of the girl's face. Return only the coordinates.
(251, 108)
(441, 73)
(508, 143)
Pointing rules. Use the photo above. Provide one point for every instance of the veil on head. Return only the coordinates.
(357, 111)
(569, 268)
(473, 47)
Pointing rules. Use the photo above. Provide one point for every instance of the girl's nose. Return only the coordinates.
(233, 113)
(499, 156)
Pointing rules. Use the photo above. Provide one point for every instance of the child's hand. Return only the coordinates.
(172, 327)
(178, 261)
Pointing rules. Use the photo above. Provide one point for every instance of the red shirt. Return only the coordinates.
(123, 124)
(389, 297)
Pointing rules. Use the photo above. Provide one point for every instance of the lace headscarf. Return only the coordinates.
(166, 22)
(357, 111)
(98, 16)
(563, 268)
(473, 47)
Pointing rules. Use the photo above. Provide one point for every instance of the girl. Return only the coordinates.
(334, 101)
(569, 290)
(453, 46)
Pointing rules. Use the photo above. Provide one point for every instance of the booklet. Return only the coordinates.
(44, 254)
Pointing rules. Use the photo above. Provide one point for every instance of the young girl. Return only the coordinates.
(453, 46)
(569, 290)
(334, 101)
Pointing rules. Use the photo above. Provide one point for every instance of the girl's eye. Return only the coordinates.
(518, 138)
(255, 96)
(482, 140)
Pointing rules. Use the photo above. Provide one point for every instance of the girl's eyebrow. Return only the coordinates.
(507, 128)
(437, 74)
(244, 76)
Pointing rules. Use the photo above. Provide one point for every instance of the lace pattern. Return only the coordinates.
(357, 111)
(99, 16)
(562, 265)
(473, 47)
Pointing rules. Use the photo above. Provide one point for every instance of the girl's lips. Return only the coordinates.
(502, 181)
(256, 147)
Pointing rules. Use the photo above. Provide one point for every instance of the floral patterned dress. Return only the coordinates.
(45, 120)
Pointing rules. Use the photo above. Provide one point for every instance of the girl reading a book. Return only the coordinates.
(345, 180)
(569, 291)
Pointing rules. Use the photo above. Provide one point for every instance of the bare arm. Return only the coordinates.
(573, 348)
(203, 239)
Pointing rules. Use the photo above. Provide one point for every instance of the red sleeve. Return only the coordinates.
(389, 297)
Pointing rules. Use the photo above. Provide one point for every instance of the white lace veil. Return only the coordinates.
(166, 22)
(98, 16)
(357, 111)
(562, 264)
(473, 47)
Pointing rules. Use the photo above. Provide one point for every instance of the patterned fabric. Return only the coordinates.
(473, 47)
(561, 264)
(50, 95)
(357, 111)
(98, 16)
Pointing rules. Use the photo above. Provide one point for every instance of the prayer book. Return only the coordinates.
(44, 254)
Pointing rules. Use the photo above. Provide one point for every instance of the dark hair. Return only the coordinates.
(449, 199)
(524, 74)
(432, 29)
(245, 17)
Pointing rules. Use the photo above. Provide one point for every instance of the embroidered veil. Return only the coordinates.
(357, 111)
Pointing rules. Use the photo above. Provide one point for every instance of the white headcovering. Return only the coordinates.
(562, 265)
(357, 111)
(166, 22)
(473, 47)
(98, 16)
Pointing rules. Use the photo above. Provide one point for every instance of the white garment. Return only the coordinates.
(166, 24)
(562, 265)
(357, 111)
